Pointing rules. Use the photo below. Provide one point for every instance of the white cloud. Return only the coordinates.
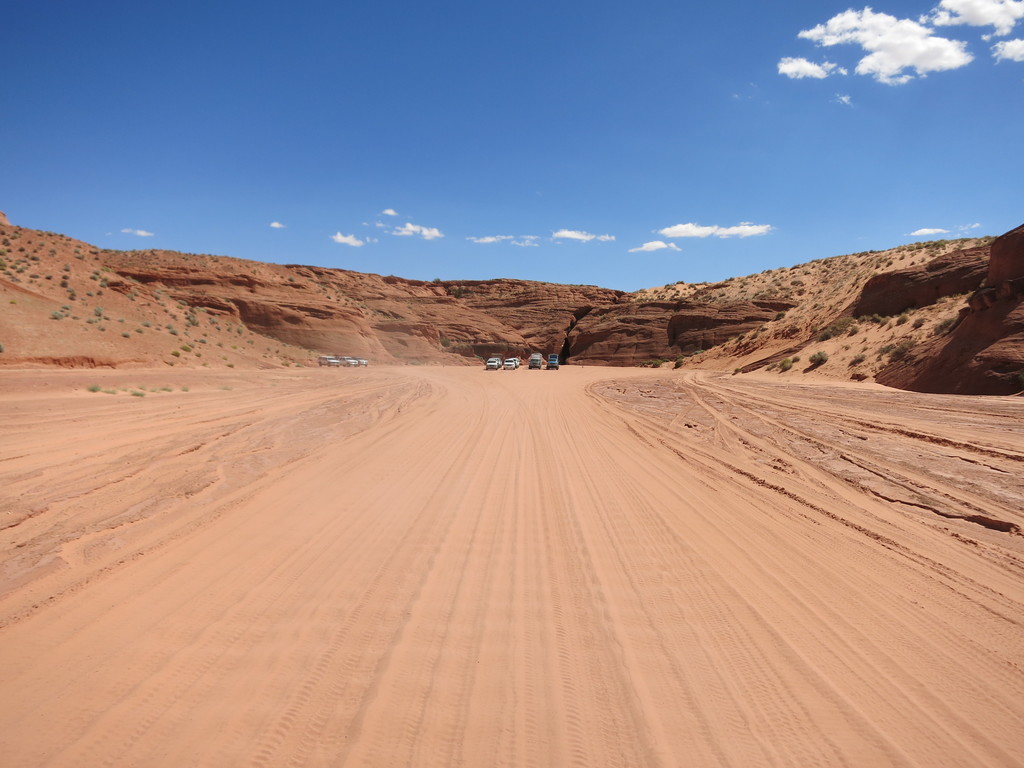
(654, 245)
(1001, 14)
(277, 225)
(798, 69)
(527, 241)
(929, 231)
(352, 240)
(844, 99)
(743, 229)
(1009, 50)
(389, 212)
(139, 232)
(583, 237)
(409, 229)
(893, 45)
(490, 238)
(688, 230)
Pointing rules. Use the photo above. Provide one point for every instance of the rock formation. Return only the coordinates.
(891, 293)
(984, 352)
(158, 307)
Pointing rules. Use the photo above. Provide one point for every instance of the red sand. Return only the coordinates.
(446, 566)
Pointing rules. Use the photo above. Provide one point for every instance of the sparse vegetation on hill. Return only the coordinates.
(216, 311)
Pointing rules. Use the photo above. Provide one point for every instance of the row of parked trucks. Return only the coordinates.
(536, 362)
(341, 361)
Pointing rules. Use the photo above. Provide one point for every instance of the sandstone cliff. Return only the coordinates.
(887, 314)
(983, 353)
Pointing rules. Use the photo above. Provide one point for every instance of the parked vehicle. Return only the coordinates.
(328, 360)
(552, 362)
(493, 364)
(511, 364)
(536, 362)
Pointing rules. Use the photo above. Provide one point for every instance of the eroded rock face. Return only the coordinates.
(388, 318)
(1007, 257)
(984, 353)
(891, 293)
(633, 333)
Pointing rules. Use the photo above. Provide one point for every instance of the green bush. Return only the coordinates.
(836, 328)
(818, 358)
(785, 364)
(899, 351)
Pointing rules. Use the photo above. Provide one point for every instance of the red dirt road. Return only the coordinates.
(445, 566)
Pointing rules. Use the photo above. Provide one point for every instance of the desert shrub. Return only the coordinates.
(899, 351)
(918, 322)
(902, 319)
(785, 364)
(1018, 378)
(836, 327)
(818, 358)
(858, 360)
(943, 326)
(94, 388)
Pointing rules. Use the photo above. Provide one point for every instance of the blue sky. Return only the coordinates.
(625, 145)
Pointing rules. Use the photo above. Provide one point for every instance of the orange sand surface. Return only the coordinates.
(453, 567)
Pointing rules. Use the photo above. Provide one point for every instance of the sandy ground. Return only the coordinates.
(443, 566)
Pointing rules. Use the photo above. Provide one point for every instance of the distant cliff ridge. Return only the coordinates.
(900, 315)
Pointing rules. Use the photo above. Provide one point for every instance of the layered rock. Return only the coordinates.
(633, 333)
(984, 352)
(1007, 258)
(951, 274)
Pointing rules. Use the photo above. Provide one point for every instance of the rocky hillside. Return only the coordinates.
(905, 315)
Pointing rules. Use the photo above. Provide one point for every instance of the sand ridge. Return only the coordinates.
(446, 566)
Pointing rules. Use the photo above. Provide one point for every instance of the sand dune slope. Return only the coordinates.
(429, 567)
